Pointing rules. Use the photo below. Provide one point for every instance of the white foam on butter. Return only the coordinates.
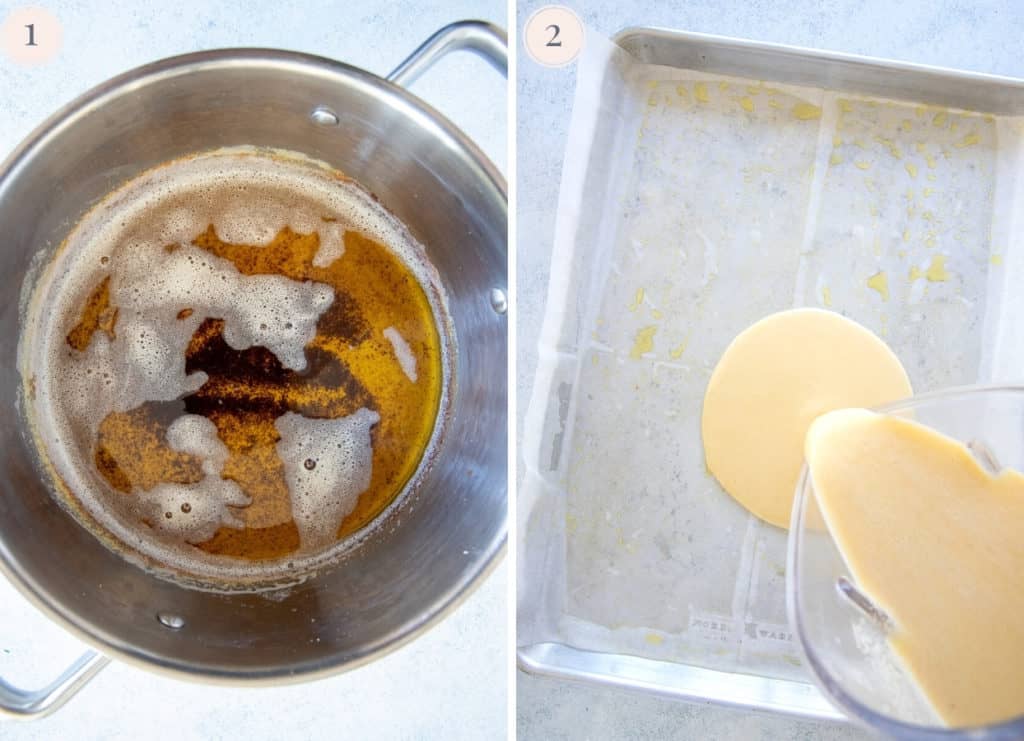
(332, 244)
(327, 464)
(146, 360)
(207, 504)
(403, 352)
(193, 512)
(248, 196)
(196, 435)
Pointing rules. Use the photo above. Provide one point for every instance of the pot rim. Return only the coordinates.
(301, 63)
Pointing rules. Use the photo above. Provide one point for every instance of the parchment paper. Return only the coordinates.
(692, 206)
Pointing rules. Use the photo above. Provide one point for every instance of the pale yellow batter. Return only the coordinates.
(938, 543)
(770, 384)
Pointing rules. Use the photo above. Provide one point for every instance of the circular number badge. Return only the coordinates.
(553, 36)
(31, 36)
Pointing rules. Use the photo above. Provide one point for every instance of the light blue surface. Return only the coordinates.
(450, 683)
(979, 36)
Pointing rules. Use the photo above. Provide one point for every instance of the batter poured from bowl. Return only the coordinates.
(234, 362)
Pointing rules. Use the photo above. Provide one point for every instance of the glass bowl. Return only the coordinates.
(841, 634)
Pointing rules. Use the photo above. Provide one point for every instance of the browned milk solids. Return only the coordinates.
(238, 359)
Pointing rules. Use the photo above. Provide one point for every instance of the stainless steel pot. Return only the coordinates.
(442, 541)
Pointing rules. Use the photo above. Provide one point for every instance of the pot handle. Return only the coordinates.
(482, 38)
(22, 704)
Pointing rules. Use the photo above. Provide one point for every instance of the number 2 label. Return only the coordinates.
(553, 36)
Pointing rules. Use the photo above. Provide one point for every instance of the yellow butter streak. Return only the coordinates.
(880, 282)
(968, 141)
(637, 299)
(937, 272)
(643, 343)
(806, 111)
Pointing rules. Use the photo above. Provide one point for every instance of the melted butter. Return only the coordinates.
(880, 282)
(890, 145)
(937, 272)
(806, 111)
(97, 315)
(643, 343)
(350, 366)
(968, 141)
(637, 300)
(677, 352)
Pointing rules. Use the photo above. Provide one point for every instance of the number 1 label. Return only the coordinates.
(30, 36)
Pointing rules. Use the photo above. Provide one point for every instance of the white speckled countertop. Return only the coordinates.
(980, 36)
(450, 683)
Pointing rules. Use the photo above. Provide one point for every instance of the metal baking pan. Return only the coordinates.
(708, 182)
